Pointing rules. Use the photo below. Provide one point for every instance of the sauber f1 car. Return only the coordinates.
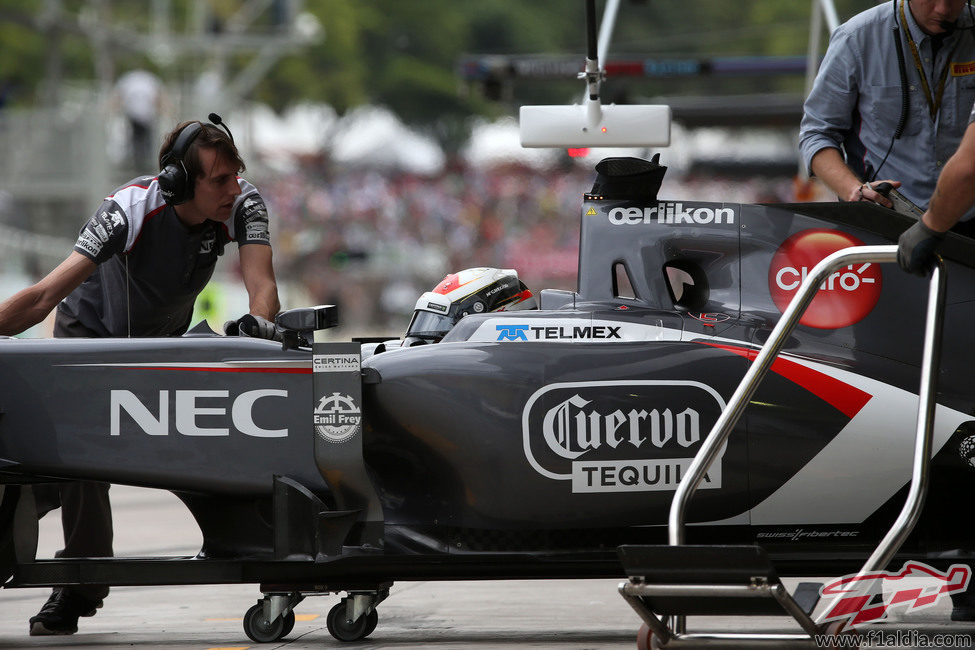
(524, 444)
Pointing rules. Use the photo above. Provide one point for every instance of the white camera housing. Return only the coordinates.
(594, 125)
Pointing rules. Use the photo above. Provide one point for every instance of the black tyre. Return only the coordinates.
(259, 629)
(371, 623)
(343, 630)
(289, 624)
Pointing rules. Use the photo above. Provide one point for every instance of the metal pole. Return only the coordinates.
(930, 364)
(927, 393)
(606, 30)
(812, 52)
(736, 405)
(829, 11)
(820, 8)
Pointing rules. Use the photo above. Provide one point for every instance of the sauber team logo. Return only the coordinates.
(620, 436)
(709, 318)
(844, 298)
(206, 244)
(337, 417)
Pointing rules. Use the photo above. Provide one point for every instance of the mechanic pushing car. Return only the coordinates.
(891, 100)
(135, 271)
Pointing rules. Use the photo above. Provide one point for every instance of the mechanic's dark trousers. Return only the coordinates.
(86, 516)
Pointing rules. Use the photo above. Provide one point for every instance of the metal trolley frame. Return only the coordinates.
(741, 579)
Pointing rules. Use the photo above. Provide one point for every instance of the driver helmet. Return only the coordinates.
(471, 291)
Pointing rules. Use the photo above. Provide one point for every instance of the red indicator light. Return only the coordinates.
(578, 152)
(603, 129)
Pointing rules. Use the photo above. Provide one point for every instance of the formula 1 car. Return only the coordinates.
(525, 444)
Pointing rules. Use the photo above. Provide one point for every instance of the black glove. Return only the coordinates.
(253, 326)
(916, 248)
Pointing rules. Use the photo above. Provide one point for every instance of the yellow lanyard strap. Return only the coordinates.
(934, 103)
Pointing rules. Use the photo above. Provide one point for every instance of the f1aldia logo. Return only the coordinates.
(620, 436)
(870, 597)
(337, 417)
(844, 298)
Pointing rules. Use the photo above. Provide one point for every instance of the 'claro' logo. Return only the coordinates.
(844, 298)
(620, 436)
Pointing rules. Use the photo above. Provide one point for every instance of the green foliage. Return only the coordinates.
(404, 53)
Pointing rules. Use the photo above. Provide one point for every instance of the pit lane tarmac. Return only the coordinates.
(485, 615)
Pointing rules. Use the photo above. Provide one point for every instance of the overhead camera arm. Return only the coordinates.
(593, 75)
(592, 124)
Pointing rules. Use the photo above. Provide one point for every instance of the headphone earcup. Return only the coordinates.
(173, 184)
(173, 180)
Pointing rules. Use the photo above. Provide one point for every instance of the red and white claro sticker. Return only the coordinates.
(844, 298)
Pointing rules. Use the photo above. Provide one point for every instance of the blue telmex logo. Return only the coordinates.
(512, 332)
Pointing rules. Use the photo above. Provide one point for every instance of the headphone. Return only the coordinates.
(174, 181)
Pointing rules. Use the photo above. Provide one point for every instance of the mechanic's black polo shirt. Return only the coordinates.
(150, 266)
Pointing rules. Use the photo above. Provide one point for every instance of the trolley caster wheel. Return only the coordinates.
(340, 628)
(371, 623)
(834, 631)
(260, 630)
(645, 638)
(289, 624)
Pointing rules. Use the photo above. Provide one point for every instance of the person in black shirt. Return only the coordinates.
(136, 269)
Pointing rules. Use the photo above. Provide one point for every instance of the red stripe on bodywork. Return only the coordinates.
(287, 371)
(847, 399)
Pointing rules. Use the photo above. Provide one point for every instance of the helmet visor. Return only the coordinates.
(428, 325)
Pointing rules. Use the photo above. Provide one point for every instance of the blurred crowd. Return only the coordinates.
(372, 241)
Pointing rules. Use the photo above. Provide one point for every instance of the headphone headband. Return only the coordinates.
(185, 138)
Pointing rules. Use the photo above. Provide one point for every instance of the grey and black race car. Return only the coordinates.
(525, 443)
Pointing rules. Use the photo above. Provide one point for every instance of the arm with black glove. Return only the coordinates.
(953, 196)
(253, 326)
(916, 248)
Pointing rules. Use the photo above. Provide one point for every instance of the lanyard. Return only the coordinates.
(934, 102)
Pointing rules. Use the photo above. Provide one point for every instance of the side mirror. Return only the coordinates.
(299, 325)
